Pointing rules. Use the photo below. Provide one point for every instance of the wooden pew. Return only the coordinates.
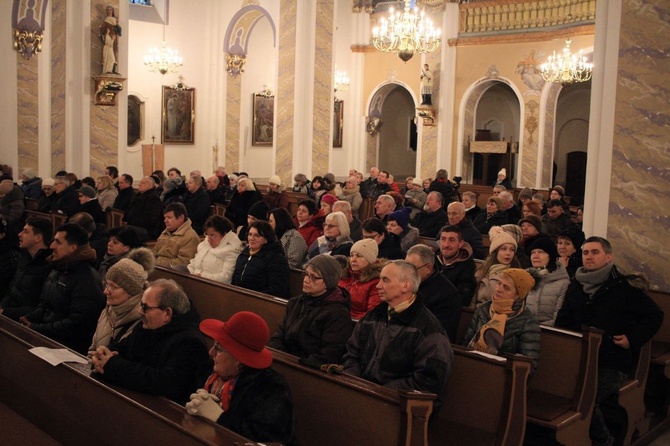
(55, 219)
(114, 218)
(295, 281)
(485, 402)
(367, 209)
(341, 409)
(293, 199)
(562, 391)
(220, 301)
(74, 408)
(631, 398)
(31, 204)
(219, 209)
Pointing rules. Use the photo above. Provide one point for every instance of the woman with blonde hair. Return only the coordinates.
(106, 192)
(335, 239)
(245, 196)
(502, 257)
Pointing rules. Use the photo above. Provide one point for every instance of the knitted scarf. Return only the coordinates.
(351, 191)
(222, 388)
(593, 280)
(490, 337)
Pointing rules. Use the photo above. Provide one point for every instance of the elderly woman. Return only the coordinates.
(243, 393)
(121, 241)
(494, 216)
(501, 257)
(361, 276)
(262, 265)
(276, 197)
(335, 239)
(293, 243)
(398, 227)
(197, 203)
(317, 324)
(309, 220)
(551, 282)
(352, 193)
(106, 192)
(245, 196)
(327, 202)
(415, 197)
(570, 243)
(218, 252)
(124, 284)
(301, 183)
(505, 325)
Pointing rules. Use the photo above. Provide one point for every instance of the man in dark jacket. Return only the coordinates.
(317, 323)
(455, 261)
(145, 212)
(216, 193)
(439, 295)
(602, 297)
(72, 298)
(456, 216)
(163, 355)
(32, 270)
(90, 204)
(433, 217)
(197, 203)
(31, 185)
(400, 344)
(556, 220)
(67, 199)
(126, 193)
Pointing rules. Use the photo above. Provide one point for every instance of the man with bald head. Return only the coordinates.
(457, 216)
(384, 206)
(214, 191)
(432, 218)
(370, 182)
(145, 213)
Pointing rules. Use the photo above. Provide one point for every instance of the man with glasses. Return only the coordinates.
(72, 297)
(161, 356)
(67, 200)
(439, 295)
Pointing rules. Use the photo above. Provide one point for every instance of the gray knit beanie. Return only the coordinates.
(131, 273)
(328, 268)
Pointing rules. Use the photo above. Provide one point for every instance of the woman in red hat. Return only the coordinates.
(243, 393)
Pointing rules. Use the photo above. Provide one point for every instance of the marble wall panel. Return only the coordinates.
(233, 104)
(28, 128)
(531, 125)
(639, 209)
(323, 86)
(285, 99)
(58, 57)
(429, 133)
(549, 138)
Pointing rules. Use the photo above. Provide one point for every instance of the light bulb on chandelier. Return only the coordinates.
(406, 33)
(164, 59)
(566, 68)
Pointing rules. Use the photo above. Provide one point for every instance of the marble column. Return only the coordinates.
(233, 101)
(529, 150)
(429, 133)
(639, 216)
(323, 86)
(28, 127)
(58, 84)
(285, 99)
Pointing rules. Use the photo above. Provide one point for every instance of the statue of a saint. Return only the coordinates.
(109, 33)
(426, 85)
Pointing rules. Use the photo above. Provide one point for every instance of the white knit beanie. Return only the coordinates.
(500, 237)
(367, 248)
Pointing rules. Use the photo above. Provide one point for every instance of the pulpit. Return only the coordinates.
(153, 158)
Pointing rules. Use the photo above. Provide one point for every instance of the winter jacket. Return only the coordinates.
(558, 225)
(164, 361)
(71, 301)
(261, 408)
(485, 221)
(443, 300)
(146, 211)
(390, 249)
(198, 208)
(24, 291)
(430, 223)
(620, 306)
(522, 332)
(93, 208)
(9, 260)
(12, 207)
(362, 287)
(266, 271)
(473, 212)
(276, 200)
(408, 352)
(474, 239)
(32, 188)
(217, 263)
(295, 248)
(117, 322)
(486, 285)
(240, 204)
(67, 202)
(546, 298)
(315, 328)
(312, 229)
(107, 197)
(178, 247)
(341, 246)
(407, 239)
(415, 199)
(123, 200)
(45, 203)
(353, 196)
(460, 272)
(107, 262)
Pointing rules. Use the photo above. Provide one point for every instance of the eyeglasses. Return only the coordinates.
(146, 307)
(329, 225)
(422, 266)
(372, 236)
(110, 286)
(312, 277)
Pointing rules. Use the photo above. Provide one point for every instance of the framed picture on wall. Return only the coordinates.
(178, 115)
(264, 109)
(338, 118)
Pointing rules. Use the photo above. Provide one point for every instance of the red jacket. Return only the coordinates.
(362, 286)
(313, 229)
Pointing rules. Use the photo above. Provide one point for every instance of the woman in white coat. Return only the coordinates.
(217, 254)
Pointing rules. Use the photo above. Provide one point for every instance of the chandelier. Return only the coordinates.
(566, 68)
(165, 59)
(406, 33)
(341, 81)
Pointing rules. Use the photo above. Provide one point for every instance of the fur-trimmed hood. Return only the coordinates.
(368, 273)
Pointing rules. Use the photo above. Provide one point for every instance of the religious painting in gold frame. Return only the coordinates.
(264, 110)
(338, 118)
(178, 115)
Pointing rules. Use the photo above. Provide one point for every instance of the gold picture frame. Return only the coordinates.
(178, 115)
(264, 110)
(338, 118)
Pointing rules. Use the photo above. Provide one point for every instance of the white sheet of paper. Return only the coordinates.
(55, 356)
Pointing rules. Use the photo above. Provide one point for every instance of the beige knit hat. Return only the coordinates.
(275, 179)
(131, 273)
(500, 237)
(523, 281)
(367, 248)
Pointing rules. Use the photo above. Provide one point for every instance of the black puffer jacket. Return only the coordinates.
(71, 301)
(240, 204)
(316, 328)
(267, 271)
(24, 292)
(146, 211)
(164, 361)
(197, 205)
(67, 202)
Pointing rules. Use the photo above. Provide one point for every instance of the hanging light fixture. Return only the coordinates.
(165, 59)
(406, 33)
(566, 68)
(341, 81)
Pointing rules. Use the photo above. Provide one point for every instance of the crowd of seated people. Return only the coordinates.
(86, 285)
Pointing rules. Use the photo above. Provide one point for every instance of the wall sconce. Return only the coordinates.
(235, 64)
(28, 31)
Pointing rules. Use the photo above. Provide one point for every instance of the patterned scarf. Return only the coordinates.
(222, 388)
(490, 337)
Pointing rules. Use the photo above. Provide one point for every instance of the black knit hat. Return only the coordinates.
(259, 210)
(546, 245)
(575, 235)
